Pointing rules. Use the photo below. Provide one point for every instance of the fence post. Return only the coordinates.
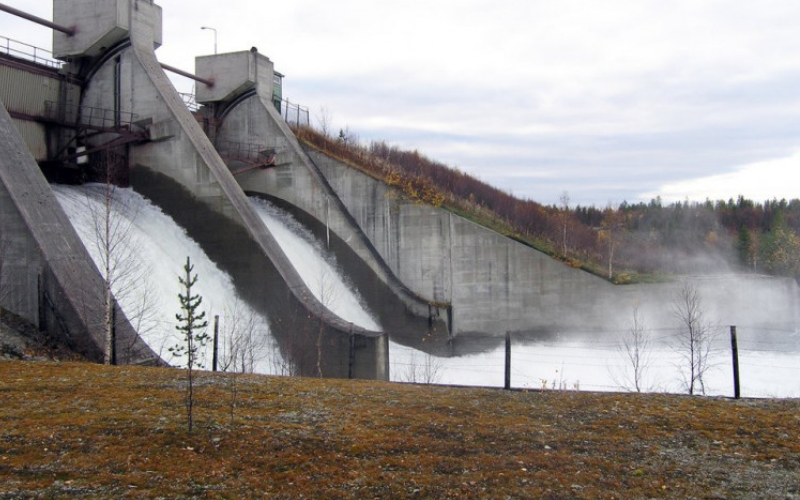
(351, 358)
(735, 352)
(113, 344)
(508, 361)
(216, 344)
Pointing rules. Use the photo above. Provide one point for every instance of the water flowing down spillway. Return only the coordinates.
(150, 252)
(770, 360)
(316, 266)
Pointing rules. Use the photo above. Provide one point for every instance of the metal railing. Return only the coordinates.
(294, 114)
(245, 152)
(89, 116)
(28, 52)
(189, 100)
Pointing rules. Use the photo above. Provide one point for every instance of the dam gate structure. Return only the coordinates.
(112, 97)
(432, 278)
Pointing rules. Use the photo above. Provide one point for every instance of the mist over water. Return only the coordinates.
(769, 363)
(769, 355)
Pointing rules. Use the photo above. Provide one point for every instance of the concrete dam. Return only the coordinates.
(432, 279)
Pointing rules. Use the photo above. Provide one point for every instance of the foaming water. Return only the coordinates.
(316, 267)
(150, 252)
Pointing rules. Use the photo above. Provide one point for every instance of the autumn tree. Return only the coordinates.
(782, 251)
(611, 234)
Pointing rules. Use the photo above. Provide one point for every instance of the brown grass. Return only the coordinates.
(89, 431)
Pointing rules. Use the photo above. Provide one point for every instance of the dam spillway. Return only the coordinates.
(145, 276)
(430, 278)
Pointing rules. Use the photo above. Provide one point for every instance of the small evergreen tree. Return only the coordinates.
(192, 324)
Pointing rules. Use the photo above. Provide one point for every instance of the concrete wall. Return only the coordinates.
(180, 163)
(296, 182)
(48, 277)
(496, 284)
(233, 74)
(102, 24)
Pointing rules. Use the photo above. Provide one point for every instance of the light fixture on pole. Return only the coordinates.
(215, 36)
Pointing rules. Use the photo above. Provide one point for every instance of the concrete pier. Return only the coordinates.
(116, 54)
(48, 277)
(239, 109)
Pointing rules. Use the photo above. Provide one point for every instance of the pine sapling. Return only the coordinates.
(192, 323)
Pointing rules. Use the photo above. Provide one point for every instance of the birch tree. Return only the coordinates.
(695, 336)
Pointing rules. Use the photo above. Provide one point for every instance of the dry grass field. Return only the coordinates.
(78, 430)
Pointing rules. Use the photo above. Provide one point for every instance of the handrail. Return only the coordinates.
(89, 116)
(244, 151)
(22, 50)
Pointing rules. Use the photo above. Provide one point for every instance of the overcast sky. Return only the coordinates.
(606, 101)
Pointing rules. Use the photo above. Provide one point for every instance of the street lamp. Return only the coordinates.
(215, 36)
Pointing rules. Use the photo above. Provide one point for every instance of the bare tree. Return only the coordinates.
(695, 336)
(125, 277)
(324, 121)
(327, 297)
(635, 350)
(426, 372)
(244, 343)
(105, 218)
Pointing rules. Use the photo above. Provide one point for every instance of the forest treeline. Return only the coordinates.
(626, 243)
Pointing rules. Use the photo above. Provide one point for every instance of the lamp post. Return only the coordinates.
(215, 36)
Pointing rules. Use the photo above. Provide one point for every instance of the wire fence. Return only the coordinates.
(768, 359)
(22, 50)
(295, 114)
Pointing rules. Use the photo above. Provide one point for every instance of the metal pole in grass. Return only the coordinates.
(508, 361)
(735, 351)
(113, 343)
(351, 358)
(216, 344)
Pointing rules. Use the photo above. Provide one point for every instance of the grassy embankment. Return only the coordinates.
(423, 190)
(89, 431)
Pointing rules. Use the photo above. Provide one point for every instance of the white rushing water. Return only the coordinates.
(769, 360)
(150, 252)
(316, 266)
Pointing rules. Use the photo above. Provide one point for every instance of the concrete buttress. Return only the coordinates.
(180, 170)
